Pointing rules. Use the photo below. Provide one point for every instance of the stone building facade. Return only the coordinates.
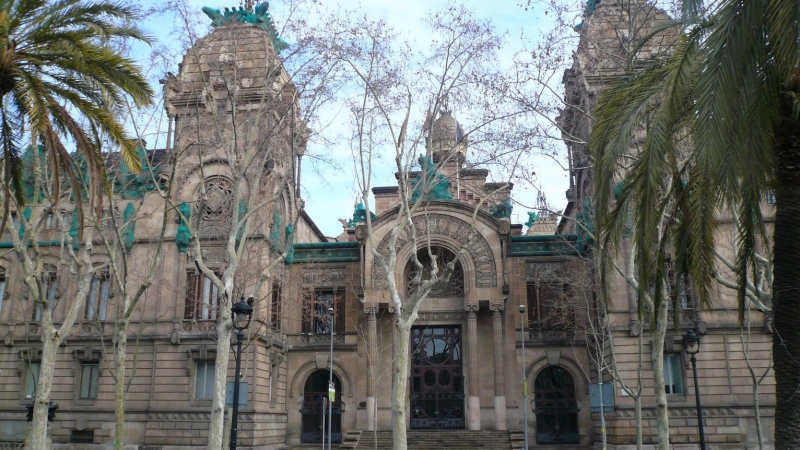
(467, 344)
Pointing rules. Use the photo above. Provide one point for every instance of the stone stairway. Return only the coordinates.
(438, 440)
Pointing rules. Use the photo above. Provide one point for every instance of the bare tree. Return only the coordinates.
(239, 136)
(396, 103)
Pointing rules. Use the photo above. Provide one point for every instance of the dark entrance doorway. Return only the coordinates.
(556, 408)
(437, 379)
(315, 394)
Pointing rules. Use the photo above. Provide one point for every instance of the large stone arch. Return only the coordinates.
(309, 367)
(566, 363)
(452, 232)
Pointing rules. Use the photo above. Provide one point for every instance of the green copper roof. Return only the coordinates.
(548, 245)
(326, 252)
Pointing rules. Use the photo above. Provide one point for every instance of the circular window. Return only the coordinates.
(218, 202)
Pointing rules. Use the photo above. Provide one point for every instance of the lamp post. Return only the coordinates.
(524, 379)
(330, 383)
(242, 312)
(691, 343)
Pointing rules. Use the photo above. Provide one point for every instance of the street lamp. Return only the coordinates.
(330, 383)
(524, 379)
(242, 312)
(691, 343)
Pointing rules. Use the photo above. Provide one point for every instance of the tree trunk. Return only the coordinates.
(43, 387)
(217, 423)
(786, 281)
(638, 416)
(400, 385)
(121, 339)
(658, 376)
(758, 417)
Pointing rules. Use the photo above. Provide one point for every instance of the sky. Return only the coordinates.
(330, 192)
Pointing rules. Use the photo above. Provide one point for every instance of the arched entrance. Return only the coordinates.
(556, 408)
(315, 394)
(437, 388)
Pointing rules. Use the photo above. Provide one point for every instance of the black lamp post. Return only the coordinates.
(524, 379)
(242, 313)
(691, 343)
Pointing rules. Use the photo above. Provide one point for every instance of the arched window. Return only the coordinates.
(453, 287)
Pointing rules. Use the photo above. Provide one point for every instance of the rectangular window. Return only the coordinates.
(49, 287)
(89, 376)
(97, 304)
(204, 380)
(316, 318)
(275, 307)
(769, 196)
(202, 297)
(81, 437)
(673, 373)
(549, 307)
(31, 379)
(2, 289)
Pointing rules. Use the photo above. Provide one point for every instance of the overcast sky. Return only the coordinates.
(330, 194)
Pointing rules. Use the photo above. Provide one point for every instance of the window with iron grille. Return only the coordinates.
(315, 311)
(549, 307)
(275, 307)
(81, 437)
(453, 287)
(202, 297)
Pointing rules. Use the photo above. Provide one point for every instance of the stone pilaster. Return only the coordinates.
(499, 386)
(372, 355)
(474, 419)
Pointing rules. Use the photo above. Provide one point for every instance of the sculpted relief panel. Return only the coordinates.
(452, 227)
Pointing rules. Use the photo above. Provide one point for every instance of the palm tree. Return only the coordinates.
(722, 117)
(60, 78)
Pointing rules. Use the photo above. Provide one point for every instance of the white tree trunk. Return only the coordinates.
(216, 428)
(43, 387)
(658, 376)
(400, 385)
(121, 340)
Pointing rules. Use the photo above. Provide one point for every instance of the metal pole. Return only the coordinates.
(524, 380)
(602, 413)
(330, 385)
(235, 415)
(699, 408)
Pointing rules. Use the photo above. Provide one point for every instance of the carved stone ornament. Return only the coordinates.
(205, 326)
(217, 254)
(216, 208)
(321, 338)
(445, 316)
(320, 277)
(454, 228)
(545, 271)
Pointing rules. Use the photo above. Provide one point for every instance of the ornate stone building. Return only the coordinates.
(467, 344)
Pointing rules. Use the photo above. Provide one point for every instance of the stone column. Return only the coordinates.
(499, 385)
(372, 355)
(474, 419)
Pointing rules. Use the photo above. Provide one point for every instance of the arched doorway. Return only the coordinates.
(437, 387)
(556, 408)
(315, 394)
